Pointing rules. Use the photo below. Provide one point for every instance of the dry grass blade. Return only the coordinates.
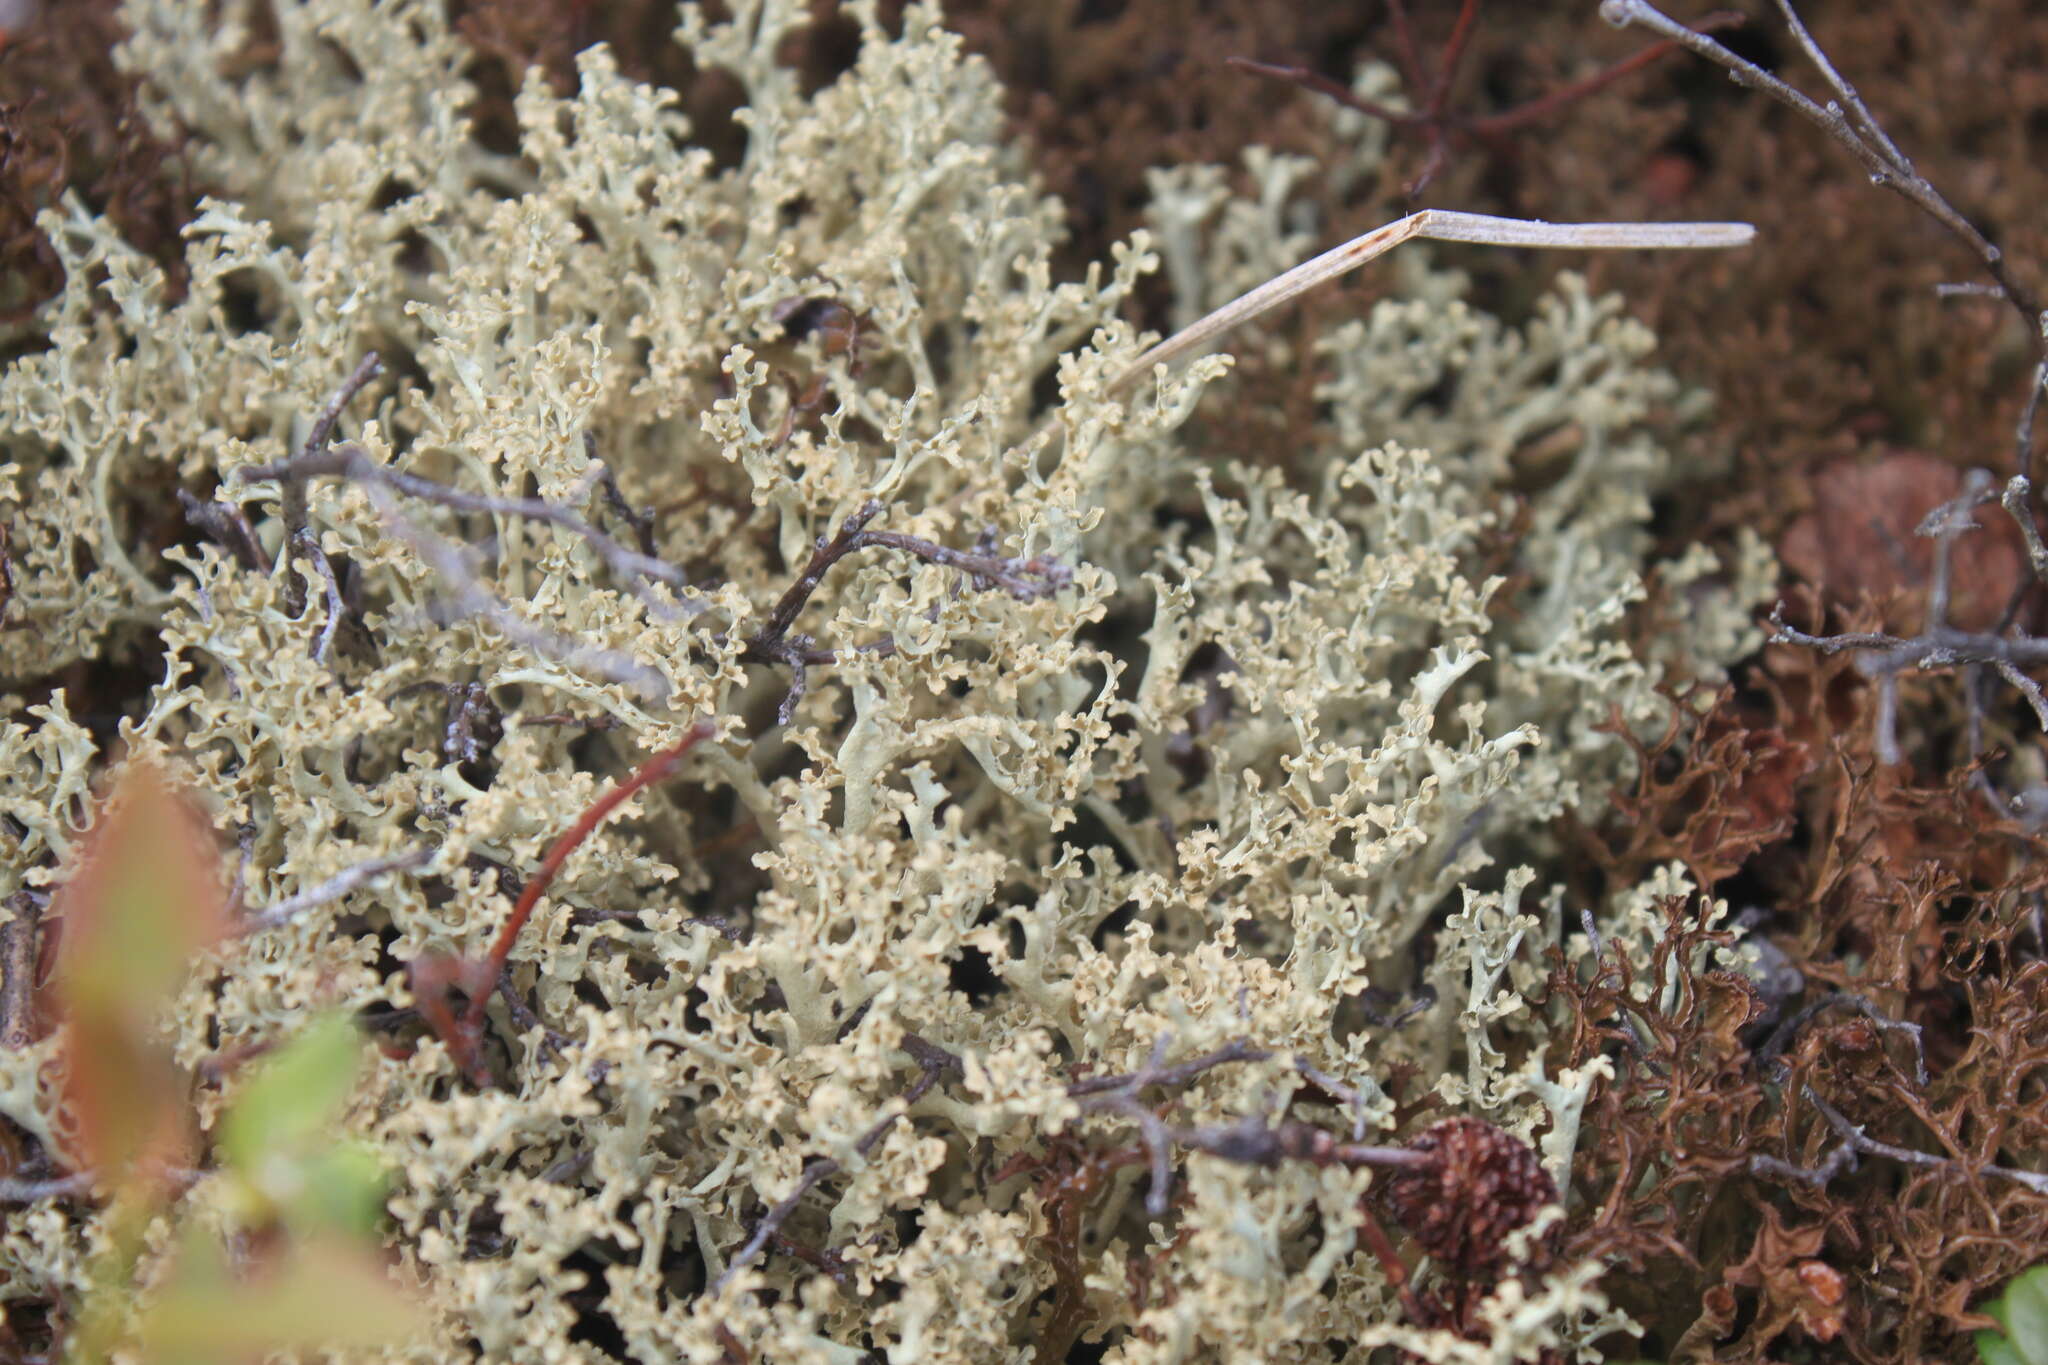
(1442, 225)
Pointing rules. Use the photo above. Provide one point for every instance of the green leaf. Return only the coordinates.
(290, 1106)
(2023, 1313)
(279, 1136)
(343, 1192)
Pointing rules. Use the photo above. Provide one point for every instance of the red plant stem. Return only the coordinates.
(1391, 1265)
(647, 774)
(1515, 119)
(1453, 53)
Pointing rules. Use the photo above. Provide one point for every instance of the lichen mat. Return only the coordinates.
(1072, 805)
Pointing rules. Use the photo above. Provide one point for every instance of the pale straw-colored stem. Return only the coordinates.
(1440, 225)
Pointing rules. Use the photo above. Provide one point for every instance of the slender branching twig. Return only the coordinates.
(1153, 1073)
(640, 519)
(308, 546)
(1252, 1140)
(1434, 119)
(227, 525)
(1782, 1037)
(1855, 1142)
(1883, 657)
(14, 1191)
(567, 720)
(523, 1016)
(19, 941)
(639, 571)
(294, 495)
(351, 462)
(343, 883)
(1351, 1096)
(1846, 119)
(934, 1064)
(1025, 578)
(457, 569)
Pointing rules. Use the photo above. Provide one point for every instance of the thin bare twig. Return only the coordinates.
(638, 570)
(36, 1191)
(351, 462)
(565, 719)
(227, 525)
(1024, 578)
(309, 546)
(641, 519)
(323, 421)
(294, 495)
(1882, 657)
(1434, 119)
(2023, 436)
(342, 883)
(19, 939)
(1944, 525)
(14, 1191)
(1768, 1053)
(1855, 1142)
(1351, 1096)
(524, 1017)
(1118, 1094)
(1253, 1141)
(456, 568)
(1152, 1073)
(934, 1064)
(1848, 121)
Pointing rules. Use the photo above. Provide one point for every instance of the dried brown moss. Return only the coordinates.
(70, 121)
(1911, 896)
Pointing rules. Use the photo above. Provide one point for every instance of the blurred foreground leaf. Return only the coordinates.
(279, 1137)
(2023, 1313)
(326, 1293)
(145, 902)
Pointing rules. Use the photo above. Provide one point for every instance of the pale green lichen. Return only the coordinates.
(1270, 743)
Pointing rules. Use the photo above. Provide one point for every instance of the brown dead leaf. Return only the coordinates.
(1860, 539)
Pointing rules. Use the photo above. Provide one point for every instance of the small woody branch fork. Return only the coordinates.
(1433, 118)
(1845, 118)
(1026, 578)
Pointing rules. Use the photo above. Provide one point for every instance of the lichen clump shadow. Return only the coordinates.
(1101, 750)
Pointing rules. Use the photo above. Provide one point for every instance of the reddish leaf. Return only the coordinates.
(144, 903)
(1860, 538)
